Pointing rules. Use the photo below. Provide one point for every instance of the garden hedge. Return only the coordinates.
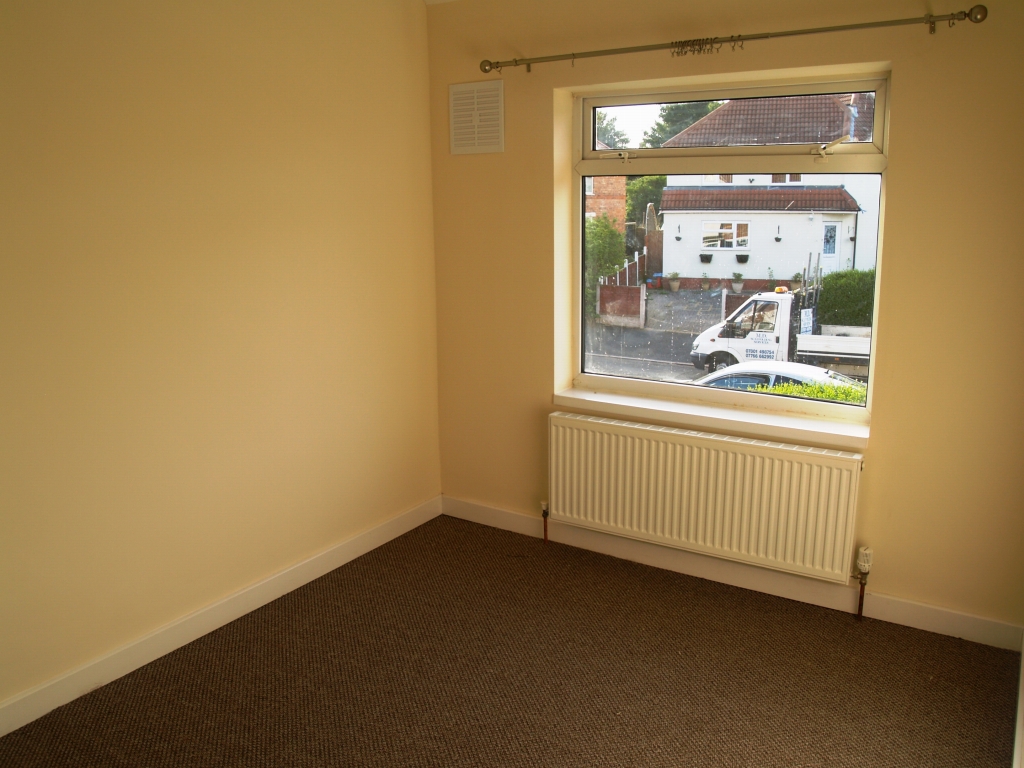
(847, 298)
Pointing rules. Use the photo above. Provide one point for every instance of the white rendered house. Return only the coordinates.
(718, 225)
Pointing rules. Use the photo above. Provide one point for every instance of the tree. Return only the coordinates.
(675, 117)
(604, 250)
(641, 190)
(608, 132)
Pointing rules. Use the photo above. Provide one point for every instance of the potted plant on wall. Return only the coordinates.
(797, 281)
(705, 282)
(771, 280)
(737, 282)
(673, 281)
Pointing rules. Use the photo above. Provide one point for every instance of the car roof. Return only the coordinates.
(778, 367)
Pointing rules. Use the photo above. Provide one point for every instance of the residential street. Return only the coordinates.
(661, 350)
(641, 353)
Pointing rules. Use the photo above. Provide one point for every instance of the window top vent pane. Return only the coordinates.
(760, 121)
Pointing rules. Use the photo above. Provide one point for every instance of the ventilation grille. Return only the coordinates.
(476, 117)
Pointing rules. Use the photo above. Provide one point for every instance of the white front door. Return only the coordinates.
(830, 247)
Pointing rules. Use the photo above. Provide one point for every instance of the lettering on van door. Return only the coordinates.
(762, 346)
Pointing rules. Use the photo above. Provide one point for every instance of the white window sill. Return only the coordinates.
(787, 428)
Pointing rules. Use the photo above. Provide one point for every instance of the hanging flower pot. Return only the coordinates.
(742, 258)
(705, 258)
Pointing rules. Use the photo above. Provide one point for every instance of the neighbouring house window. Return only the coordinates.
(589, 187)
(762, 275)
(725, 234)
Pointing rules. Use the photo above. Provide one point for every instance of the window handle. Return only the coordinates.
(623, 156)
(827, 149)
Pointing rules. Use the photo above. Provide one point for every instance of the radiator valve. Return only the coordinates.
(864, 561)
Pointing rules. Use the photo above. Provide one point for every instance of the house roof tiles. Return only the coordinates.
(788, 199)
(812, 119)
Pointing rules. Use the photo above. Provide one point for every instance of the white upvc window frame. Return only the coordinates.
(735, 223)
(751, 414)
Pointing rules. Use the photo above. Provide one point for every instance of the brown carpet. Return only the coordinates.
(461, 645)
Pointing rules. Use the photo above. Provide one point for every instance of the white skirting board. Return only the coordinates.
(36, 702)
(817, 592)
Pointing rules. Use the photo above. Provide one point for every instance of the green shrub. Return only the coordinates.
(604, 250)
(847, 298)
(837, 393)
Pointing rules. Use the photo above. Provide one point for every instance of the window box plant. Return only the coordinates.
(705, 258)
(742, 258)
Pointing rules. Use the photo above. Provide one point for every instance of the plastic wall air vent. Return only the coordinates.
(476, 117)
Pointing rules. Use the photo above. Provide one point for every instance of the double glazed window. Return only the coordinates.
(725, 234)
(749, 238)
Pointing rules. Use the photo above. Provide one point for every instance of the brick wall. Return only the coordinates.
(609, 198)
(622, 305)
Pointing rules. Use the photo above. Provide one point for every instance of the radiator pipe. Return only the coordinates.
(860, 603)
(544, 514)
(864, 558)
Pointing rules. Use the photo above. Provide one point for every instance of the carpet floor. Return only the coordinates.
(462, 645)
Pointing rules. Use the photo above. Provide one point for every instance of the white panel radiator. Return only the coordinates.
(786, 507)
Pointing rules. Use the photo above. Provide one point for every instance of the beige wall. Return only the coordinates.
(941, 500)
(217, 307)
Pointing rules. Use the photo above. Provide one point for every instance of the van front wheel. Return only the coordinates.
(719, 360)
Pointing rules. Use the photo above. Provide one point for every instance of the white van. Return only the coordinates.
(764, 328)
